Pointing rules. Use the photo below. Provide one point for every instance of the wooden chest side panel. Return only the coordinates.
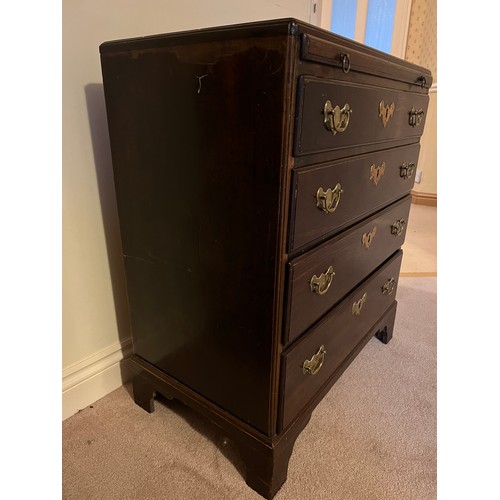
(196, 134)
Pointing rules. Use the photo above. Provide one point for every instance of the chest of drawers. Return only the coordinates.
(262, 176)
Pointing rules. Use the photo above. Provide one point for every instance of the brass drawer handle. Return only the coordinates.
(320, 285)
(406, 170)
(358, 305)
(389, 287)
(328, 200)
(367, 238)
(416, 116)
(385, 112)
(376, 173)
(336, 119)
(397, 227)
(313, 365)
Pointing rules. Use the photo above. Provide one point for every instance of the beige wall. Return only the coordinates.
(421, 49)
(421, 45)
(94, 301)
(427, 161)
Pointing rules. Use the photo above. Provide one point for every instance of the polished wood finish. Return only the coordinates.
(339, 332)
(194, 38)
(365, 125)
(351, 262)
(369, 61)
(199, 193)
(384, 324)
(218, 149)
(385, 333)
(360, 197)
(144, 393)
(266, 458)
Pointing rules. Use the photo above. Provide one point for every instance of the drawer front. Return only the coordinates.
(334, 114)
(318, 279)
(348, 56)
(314, 359)
(330, 197)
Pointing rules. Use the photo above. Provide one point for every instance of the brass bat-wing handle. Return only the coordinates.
(367, 238)
(329, 200)
(389, 287)
(397, 227)
(416, 116)
(358, 305)
(321, 284)
(335, 118)
(406, 170)
(313, 365)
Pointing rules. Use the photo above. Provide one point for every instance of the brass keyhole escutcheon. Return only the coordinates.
(335, 118)
(398, 227)
(358, 305)
(389, 287)
(321, 284)
(313, 365)
(376, 173)
(329, 200)
(385, 112)
(406, 170)
(367, 238)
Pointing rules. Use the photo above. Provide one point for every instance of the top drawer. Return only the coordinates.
(334, 114)
(353, 57)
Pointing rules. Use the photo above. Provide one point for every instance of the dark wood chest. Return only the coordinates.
(262, 177)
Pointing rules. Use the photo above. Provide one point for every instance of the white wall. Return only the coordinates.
(95, 331)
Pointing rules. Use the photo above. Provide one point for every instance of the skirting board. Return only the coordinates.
(94, 377)
(428, 199)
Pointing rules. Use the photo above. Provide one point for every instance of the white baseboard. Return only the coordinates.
(94, 377)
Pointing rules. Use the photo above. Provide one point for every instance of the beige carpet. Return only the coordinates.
(372, 438)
